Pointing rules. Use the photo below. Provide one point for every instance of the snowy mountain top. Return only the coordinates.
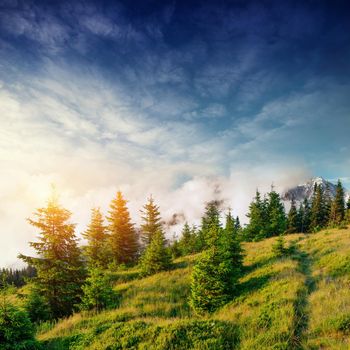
(306, 190)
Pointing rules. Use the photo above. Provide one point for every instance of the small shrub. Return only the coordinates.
(278, 248)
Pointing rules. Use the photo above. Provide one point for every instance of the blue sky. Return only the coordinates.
(172, 98)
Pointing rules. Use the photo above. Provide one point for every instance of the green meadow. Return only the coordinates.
(299, 301)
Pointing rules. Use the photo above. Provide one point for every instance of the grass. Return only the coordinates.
(299, 301)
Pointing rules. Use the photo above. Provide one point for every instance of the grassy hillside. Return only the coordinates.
(297, 302)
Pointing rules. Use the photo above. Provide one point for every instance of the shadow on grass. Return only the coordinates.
(253, 284)
(300, 305)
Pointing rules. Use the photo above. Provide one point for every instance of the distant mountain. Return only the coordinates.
(307, 190)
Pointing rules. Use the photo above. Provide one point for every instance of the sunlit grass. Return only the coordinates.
(301, 301)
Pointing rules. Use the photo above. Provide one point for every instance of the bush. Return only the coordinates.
(278, 248)
(16, 329)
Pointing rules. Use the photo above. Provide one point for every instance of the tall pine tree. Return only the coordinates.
(123, 237)
(156, 257)
(256, 228)
(337, 215)
(210, 219)
(60, 270)
(317, 218)
(151, 221)
(96, 250)
(275, 214)
(292, 220)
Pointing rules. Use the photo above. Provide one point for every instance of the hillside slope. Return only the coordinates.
(297, 302)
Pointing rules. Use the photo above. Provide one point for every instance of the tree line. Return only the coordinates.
(267, 216)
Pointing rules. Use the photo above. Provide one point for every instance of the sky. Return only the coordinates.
(187, 101)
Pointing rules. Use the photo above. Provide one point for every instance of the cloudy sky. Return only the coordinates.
(189, 102)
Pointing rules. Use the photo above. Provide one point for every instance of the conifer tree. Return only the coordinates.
(276, 215)
(211, 218)
(348, 204)
(214, 277)
(187, 241)
(96, 251)
(338, 206)
(327, 205)
(60, 270)
(238, 226)
(230, 224)
(292, 220)
(317, 217)
(156, 257)
(123, 237)
(229, 244)
(304, 216)
(256, 228)
(151, 221)
(98, 291)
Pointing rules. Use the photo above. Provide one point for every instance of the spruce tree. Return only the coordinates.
(96, 251)
(229, 244)
(211, 218)
(215, 274)
(59, 265)
(277, 221)
(305, 218)
(187, 241)
(238, 226)
(338, 206)
(151, 221)
(123, 237)
(256, 228)
(156, 257)
(292, 220)
(317, 218)
(327, 205)
(98, 291)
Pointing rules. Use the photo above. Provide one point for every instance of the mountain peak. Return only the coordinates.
(306, 190)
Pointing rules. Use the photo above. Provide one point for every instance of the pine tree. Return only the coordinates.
(211, 218)
(98, 291)
(317, 217)
(305, 216)
(276, 215)
(123, 238)
(188, 240)
(60, 270)
(151, 221)
(256, 228)
(214, 277)
(230, 224)
(156, 257)
(292, 221)
(338, 206)
(327, 205)
(238, 226)
(96, 250)
(229, 244)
